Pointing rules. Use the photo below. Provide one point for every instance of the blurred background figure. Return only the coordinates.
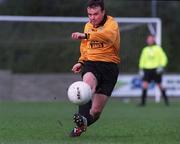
(152, 62)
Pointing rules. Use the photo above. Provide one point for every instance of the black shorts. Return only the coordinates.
(151, 75)
(106, 74)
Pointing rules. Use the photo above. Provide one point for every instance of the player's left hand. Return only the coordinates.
(77, 68)
(159, 70)
(78, 36)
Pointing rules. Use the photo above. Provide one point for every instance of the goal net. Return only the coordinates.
(42, 44)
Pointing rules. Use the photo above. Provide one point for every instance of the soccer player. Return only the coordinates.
(98, 62)
(152, 62)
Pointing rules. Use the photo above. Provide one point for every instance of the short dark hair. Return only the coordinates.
(95, 3)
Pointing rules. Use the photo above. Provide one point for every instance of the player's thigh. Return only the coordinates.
(90, 79)
(98, 103)
(109, 73)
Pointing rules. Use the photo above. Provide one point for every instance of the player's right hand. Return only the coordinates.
(78, 36)
(77, 68)
(141, 73)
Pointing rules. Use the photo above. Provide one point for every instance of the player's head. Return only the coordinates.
(96, 11)
(151, 40)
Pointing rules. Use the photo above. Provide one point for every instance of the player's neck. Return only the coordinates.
(102, 22)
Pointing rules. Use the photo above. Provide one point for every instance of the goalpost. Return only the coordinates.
(28, 39)
(154, 24)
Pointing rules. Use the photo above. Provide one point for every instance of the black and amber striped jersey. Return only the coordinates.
(102, 43)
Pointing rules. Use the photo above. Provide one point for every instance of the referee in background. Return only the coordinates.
(152, 62)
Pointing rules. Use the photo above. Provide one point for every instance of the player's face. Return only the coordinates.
(150, 40)
(96, 15)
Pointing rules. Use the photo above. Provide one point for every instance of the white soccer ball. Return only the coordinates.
(79, 93)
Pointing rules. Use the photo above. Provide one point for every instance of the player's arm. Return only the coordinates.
(106, 35)
(163, 57)
(142, 59)
(162, 60)
(83, 45)
(77, 67)
(83, 50)
(141, 63)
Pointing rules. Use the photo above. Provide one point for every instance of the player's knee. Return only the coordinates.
(145, 85)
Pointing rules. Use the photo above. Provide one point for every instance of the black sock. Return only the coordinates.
(84, 110)
(143, 97)
(163, 91)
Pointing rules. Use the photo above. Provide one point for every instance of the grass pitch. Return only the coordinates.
(120, 123)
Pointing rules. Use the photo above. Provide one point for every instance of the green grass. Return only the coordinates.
(120, 123)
